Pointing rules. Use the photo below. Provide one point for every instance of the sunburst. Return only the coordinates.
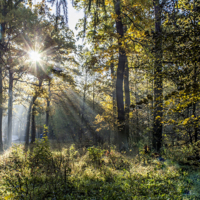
(34, 56)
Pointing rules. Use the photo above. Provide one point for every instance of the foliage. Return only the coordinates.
(46, 174)
(185, 155)
(95, 154)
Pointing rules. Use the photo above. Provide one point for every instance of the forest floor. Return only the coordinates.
(93, 173)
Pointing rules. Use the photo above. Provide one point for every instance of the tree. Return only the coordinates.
(158, 84)
(8, 8)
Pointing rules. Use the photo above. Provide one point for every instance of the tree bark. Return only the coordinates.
(158, 84)
(1, 81)
(114, 99)
(127, 96)
(27, 131)
(33, 130)
(10, 107)
(122, 137)
(83, 109)
(195, 91)
(48, 108)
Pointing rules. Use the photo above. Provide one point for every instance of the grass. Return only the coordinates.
(92, 174)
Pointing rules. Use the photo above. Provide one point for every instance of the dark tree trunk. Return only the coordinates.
(195, 90)
(122, 137)
(27, 131)
(137, 135)
(33, 130)
(114, 99)
(93, 94)
(48, 108)
(127, 97)
(113, 87)
(10, 107)
(83, 109)
(28, 123)
(158, 84)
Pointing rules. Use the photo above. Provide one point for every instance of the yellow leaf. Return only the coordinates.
(8, 197)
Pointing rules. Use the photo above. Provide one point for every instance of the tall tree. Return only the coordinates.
(116, 10)
(1, 89)
(6, 8)
(122, 137)
(127, 97)
(158, 80)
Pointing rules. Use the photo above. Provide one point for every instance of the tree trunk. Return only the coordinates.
(33, 130)
(127, 97)
(158, 85)
(122, 137)
(83, 109)
(28, 123)
(1, 78)
(27, 131)
(48, 109)
(137, 135)
(10, 107)
(114, 99)
(195, 91)
(1, 106)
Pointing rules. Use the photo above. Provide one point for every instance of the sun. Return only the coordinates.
(34, 55)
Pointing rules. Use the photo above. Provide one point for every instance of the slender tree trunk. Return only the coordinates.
(28, 123)
(114, 99)
(93, 94)
(195, 91)
(27, 130)
(1, 106)
(2, 31)
(47, 113)
(158, 85)
(10, 107)
(33, 130)
(122, 137)
(83, 108)
(137, 136)
(127, 97)
(48, 108)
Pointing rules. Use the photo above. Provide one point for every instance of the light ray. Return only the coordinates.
(34, 55)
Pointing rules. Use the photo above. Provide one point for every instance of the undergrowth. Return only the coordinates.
(95, 174)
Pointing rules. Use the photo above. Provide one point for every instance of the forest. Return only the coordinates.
(109, 110)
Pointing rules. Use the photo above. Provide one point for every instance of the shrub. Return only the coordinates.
(95, 154)
(43, 174)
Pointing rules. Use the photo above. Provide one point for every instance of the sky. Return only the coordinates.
(73, 17)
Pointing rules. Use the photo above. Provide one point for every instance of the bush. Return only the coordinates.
(184, 155)
(43, 174)
(95, 154)
(36, 174)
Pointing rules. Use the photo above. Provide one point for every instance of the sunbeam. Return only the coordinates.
(34, 56)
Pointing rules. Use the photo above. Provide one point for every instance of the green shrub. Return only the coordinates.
(95, 154)
(43, 174)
